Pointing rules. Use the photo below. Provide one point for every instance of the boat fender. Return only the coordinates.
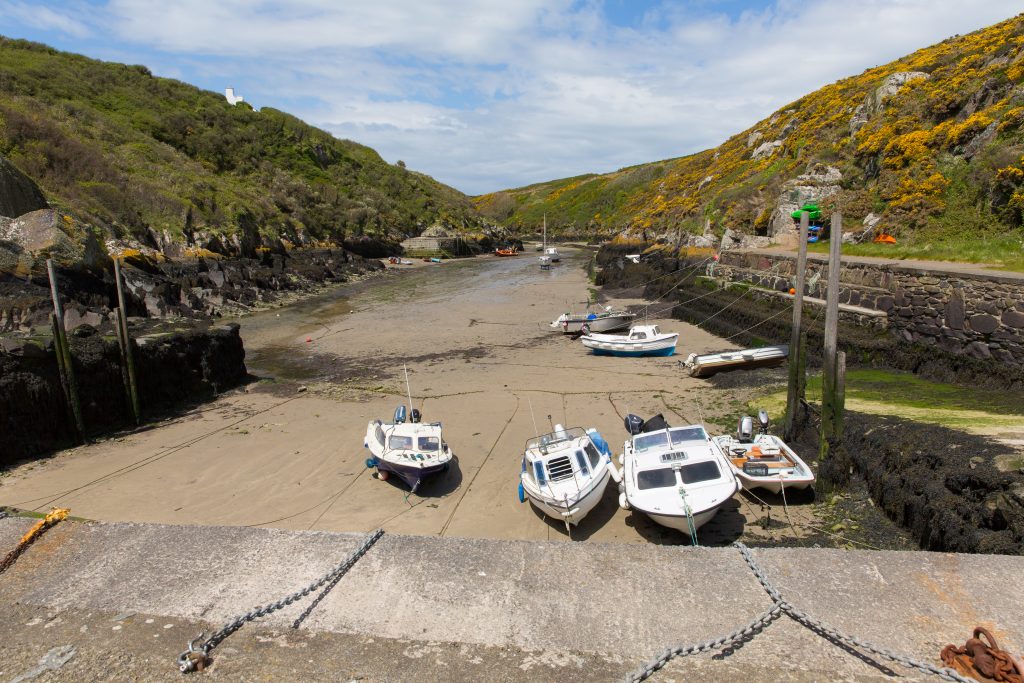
(371, 463)
(614, 471)
(522, 493)
(623, 503)
(382, 475)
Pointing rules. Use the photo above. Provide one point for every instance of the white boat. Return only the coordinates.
(642, 340)
(707, 364)
(565, 473)
(607, 320)
(677, 476)
(412, 450)
(550, 254)
(763, 460)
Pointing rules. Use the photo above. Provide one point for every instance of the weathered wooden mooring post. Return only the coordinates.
(797, 350)
(833, 380)
(63, 352)
(125, 342)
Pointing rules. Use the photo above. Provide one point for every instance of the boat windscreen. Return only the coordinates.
(700, 471)
(543, 443)
(429, 444)
(656, 479)
(681, 435)
(649, 441)
(397, 442)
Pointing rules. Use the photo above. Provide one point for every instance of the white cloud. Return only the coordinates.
(487, 94)
(41, 17)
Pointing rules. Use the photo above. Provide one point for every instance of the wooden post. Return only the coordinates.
(793, 396)
(828, 378)
(125, 340)
(840, 400)
(58, 351)
(64, 351)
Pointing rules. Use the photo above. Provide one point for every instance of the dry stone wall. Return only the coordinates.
(980, 316)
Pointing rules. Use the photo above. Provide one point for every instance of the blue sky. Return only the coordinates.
(491, 94)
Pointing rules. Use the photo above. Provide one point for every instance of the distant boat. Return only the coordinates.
(565, 473)
(763, 460)
(506, 251)
(545, 262)
(642, 340)
(550, 252)
(607, 320)
(677, 476)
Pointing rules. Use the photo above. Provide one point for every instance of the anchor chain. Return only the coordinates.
(197, 657)
(779, 607)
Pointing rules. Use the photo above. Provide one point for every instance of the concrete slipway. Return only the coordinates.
(128, 596)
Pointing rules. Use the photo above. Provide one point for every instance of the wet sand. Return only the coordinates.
(474, 335)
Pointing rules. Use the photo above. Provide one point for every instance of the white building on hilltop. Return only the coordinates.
(229, 95)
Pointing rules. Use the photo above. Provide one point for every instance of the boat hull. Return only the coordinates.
(655, 347)
(772, 484)
(412, 475)
(635, 354)
(578, 510)
(606, 324)
(679, 522)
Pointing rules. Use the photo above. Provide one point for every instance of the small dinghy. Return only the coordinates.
(607, 320)
(642, 340)
(506, 251)
(565, 473)
(545, 262)
(763, 460)
(677, 476)
(412, 450)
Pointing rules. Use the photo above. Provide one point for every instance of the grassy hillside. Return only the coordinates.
(937, 158)
(127, 151)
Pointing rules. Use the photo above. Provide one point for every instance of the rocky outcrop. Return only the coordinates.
(195, 288)
(874, 103)
(813, 186)
(18, 193)
(175, 368)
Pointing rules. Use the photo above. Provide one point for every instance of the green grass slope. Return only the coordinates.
(126, 151)
(937, 158)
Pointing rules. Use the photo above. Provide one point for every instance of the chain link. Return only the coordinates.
(196, 657)
(780, 607)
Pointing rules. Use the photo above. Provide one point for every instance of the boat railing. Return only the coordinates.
(543, 443)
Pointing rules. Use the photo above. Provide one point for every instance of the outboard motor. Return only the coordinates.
(762, 418)
(634, 423)
(656, 423)
(399, 415)
(745, 429)
(415, 415)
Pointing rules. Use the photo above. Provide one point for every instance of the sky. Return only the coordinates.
(493, 94)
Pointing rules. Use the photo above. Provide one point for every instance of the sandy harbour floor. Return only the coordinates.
(481, 358)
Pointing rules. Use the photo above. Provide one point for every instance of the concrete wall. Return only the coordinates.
(963, 313)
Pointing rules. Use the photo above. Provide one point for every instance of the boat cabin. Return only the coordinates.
(563, 455)
(677, 456)
(412, 441)
(642, 332)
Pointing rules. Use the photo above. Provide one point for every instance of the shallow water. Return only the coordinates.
(402, 301)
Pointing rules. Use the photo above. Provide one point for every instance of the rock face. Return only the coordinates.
(817, 184)
(875, 101)
(173, 368)
(42, 234)
(18, 194)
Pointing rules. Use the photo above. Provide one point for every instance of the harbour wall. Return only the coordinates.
(944, 325)
(174, 367)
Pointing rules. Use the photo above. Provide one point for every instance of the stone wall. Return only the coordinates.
(963, 313)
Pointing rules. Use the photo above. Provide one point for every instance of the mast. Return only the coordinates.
(545, 233)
